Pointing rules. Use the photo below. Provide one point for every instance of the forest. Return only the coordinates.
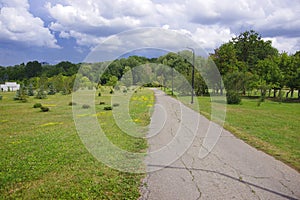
(248, 65)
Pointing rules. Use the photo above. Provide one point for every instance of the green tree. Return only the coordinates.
(250, 48)
(33, 69)
(21, 94)
(30, 90)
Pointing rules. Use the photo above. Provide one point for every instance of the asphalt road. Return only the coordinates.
(233, 170)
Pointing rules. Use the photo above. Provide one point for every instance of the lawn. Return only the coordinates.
(42, 155)
(271, 127)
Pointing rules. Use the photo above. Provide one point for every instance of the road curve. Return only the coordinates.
(233, 170)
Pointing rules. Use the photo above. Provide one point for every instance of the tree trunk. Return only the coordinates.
(287, 94)
(269, 92)
(292, 93)
(299, 94)
(275, 91)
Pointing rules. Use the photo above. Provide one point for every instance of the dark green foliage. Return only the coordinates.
(0, 97)
(45, 109)
(99, 94)
(102, 103)
(111, 91)
(72, 103)
(107, 108)
(37, 105)
(33, 69)
(85, 106)
(233, 97)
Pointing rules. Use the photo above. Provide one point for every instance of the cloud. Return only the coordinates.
(283, 44)
(19, 25)
(104, 18)
(212, 36)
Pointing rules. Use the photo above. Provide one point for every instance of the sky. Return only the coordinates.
(58, 30)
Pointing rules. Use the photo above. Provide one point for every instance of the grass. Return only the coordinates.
(43, 157)
(272, 127)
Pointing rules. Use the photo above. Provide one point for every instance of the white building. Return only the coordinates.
(9, 86)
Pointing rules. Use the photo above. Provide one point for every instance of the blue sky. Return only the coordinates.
(57, 30)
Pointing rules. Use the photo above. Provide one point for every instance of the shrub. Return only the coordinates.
(99, 94)
(72, 103)
(37, 105)
(233, 97)
(116, 104)
(44, 109)
(102, 103)
(41, 94)
(85, 106)
(107, 108)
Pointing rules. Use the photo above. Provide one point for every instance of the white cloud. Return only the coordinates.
(290, 45)
(17, 24)
(212, 36)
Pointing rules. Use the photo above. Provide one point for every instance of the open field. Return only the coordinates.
(43, 157)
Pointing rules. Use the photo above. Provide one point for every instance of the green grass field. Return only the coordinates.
(271, 127)
(43, 157)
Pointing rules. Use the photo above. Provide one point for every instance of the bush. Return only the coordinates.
(44, 109)
(116, 104)
(37, 105)
(99, 94)
(85, 106)
(233, 97)
(41, 94)
(102, 103)
(72, 103)
(107, 108)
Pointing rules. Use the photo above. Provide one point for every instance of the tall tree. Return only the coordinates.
(33, 69)
(250, 48)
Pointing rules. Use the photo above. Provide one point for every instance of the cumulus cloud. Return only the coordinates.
(290, 45)
(19, 25)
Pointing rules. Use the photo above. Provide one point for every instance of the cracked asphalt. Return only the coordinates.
(233, 170)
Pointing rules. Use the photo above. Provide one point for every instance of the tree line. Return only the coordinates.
(246, 63)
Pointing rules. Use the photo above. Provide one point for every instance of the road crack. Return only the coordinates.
(193, 177)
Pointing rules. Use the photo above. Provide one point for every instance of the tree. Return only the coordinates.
(41, 94)
(33, 69)
(112, 81)
(21, 94)
(250, 48)
(30, 90)
(269, 71)
(52, 90)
